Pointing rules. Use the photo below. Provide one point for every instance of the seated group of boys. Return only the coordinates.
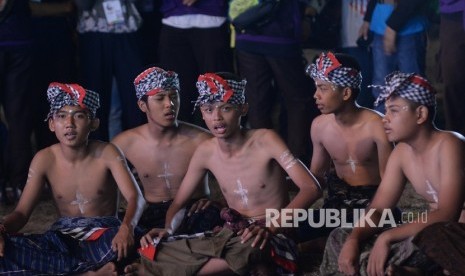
(179, 231)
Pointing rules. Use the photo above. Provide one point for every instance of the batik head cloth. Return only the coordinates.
(409, 86)
(213, 88)
(61, 94)
(154, 80)
(329, 69)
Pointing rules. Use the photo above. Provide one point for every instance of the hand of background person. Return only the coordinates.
(260, 234)
(189, 2)
(389, 41)
(123, 241)
(348, 257)
(364, 29)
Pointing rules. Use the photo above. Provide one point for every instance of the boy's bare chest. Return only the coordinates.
(424, 175)
(342, 147)
(161, 163)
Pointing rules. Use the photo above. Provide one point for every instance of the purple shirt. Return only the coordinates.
(206, 7)
(453, 6)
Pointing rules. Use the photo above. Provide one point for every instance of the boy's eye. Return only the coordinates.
(226, 108)
(80, 116)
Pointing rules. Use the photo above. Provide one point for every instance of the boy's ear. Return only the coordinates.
(422, 114)
(244, 109)
(51, 125)
(142, 105)
(346, 93)
(94, 124)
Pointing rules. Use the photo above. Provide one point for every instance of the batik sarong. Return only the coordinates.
(72, 245)
(403, 253)
(205, 220)
(343, 197)
(187, 256)
(444, 243)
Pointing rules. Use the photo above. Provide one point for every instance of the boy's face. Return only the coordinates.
(72, 124)
(327, 96)
(400, 120)
(223, 119)
(162, 108)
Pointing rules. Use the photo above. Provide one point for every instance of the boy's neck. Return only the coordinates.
(348, 115)
(234, 143)
(76, 153)
(421, 140)
(161, 133)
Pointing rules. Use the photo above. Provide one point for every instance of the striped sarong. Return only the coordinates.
(60, 250)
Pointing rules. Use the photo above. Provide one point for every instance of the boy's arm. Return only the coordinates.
(309, 188)
(450, 201)
(383, 146)
(194, 176)
(321, 160)
(14, 221)
(127, 186)
(451, 164)
(131, 192)
(386, 197)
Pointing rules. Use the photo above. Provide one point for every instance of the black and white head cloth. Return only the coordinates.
(213, 88)
(328, 68)
(61, 94)
(409, 86)
(154, 80)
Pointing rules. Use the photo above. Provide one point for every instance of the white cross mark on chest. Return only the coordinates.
(166, 175)
(80, 202)
(352, 163)
(431, 191)
(242, 193)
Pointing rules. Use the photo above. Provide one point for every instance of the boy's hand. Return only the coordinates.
(198, 206)
(122, 241)
(261, 235)
(348, 257)
(378, 256)
(155, 232)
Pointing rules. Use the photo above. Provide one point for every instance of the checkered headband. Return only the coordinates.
(213, 88)
(409, 86)
(154, 80)
(61, 94)
(329, 69)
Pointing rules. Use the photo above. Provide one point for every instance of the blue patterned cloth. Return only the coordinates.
(55, 253)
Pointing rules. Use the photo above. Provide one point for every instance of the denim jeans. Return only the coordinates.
(409, 58)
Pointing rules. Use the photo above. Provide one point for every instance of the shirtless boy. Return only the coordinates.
(250, 167)
(161, 149)
(432, 160)
(345, 136)
(84, 177)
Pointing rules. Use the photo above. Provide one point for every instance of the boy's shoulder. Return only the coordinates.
(194, 131)
(129, 135)
(102, 149)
